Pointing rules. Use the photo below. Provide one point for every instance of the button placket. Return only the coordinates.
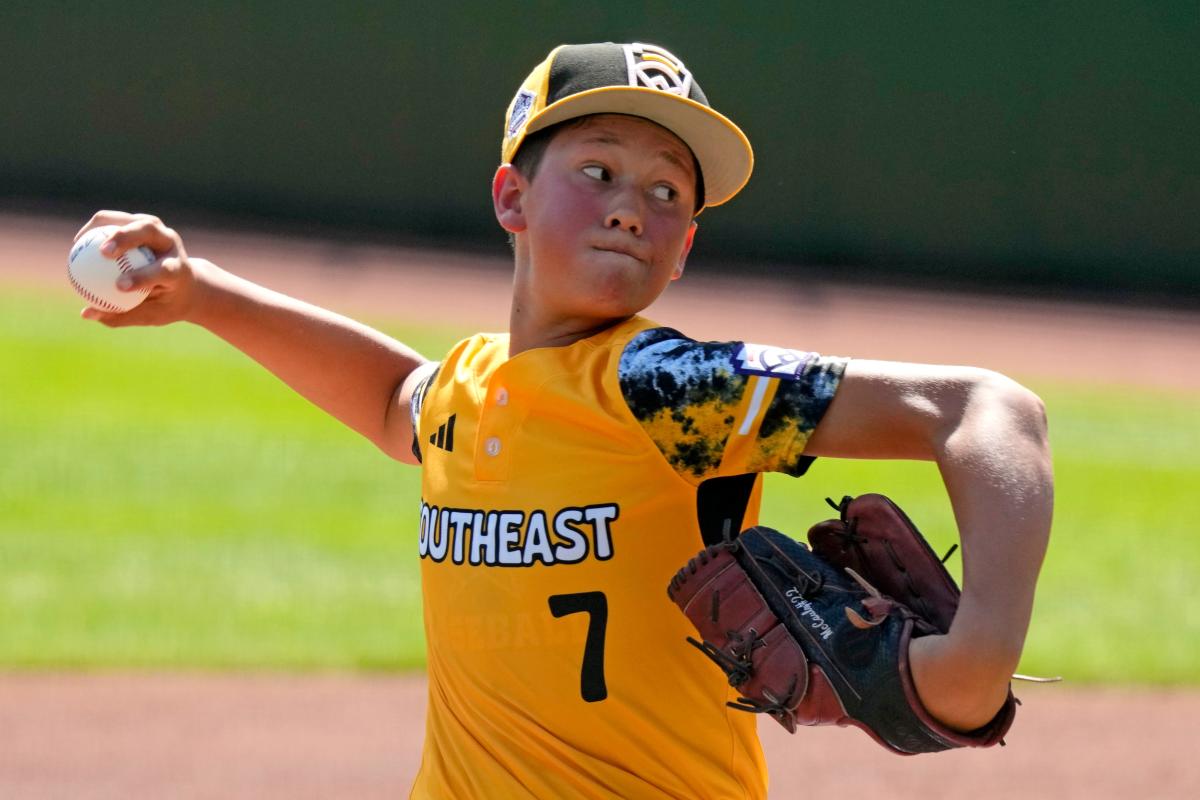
(495, 429)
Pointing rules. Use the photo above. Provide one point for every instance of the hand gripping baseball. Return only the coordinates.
(820, 636)
(171, 279)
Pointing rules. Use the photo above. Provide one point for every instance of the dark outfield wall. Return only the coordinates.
(1013, 146)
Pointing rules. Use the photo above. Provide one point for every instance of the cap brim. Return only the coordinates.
(720, 147)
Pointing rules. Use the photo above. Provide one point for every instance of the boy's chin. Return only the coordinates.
(607, 308)
(620, 298)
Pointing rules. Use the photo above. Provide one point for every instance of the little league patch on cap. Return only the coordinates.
(641, 80)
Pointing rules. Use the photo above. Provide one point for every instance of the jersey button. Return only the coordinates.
(492, 446)
(502, 397)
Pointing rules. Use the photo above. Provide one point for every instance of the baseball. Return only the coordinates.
(95, 277)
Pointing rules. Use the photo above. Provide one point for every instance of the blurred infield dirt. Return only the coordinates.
(260, 735)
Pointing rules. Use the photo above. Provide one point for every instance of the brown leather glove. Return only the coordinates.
(820, 636)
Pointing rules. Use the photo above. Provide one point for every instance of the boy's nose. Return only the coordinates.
(625, 216)
(624, 221)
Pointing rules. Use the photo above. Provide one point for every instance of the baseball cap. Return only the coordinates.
(642, 80)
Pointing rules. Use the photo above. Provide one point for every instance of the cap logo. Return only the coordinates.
(520, 111)
(655, 68)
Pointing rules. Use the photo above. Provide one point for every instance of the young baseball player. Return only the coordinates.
(574, 463)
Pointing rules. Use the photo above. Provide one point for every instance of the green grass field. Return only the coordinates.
(165, 503)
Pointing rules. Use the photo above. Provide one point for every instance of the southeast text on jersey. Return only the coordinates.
(515, 538)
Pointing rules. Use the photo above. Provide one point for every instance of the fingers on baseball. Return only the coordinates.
(155, 278)
(145, 231)
(99, 315)
(134, 230)
(113, 319)
(146, 313)
(159, 273)
(101, 218)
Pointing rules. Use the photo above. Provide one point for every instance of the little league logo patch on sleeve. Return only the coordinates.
(770, 362)
(656, 68)
(520, 111)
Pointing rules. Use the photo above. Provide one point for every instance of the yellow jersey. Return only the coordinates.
(561, 490)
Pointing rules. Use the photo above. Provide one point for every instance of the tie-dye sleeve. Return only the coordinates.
(726, 408)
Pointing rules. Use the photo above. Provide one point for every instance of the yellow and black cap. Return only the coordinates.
(642, 80)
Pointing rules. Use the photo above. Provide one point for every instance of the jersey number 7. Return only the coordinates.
(591, 679)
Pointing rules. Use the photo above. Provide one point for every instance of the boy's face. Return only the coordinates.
(607, 222)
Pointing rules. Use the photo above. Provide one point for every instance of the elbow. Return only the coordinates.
(1022, 407)
(1001, 415)
(981, 399)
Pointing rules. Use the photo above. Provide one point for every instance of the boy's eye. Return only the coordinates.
(664, 192)
(597, 172)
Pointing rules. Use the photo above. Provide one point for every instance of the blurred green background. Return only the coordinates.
(168, 504)
(1046, 148)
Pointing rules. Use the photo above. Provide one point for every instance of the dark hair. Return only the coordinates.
(529, 155)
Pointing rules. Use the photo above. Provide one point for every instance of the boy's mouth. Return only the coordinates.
(620, 249)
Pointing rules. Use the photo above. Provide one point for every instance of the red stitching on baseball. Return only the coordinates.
(91, 298)
(106, 305)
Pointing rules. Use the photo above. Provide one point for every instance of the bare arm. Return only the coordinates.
(350, 370)
(988, 437)
(353, 372)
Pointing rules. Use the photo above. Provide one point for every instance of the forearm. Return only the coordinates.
(997, 469)
(346, 368)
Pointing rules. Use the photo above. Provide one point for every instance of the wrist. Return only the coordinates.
(961, 688)
(988, 636)
(209, 287)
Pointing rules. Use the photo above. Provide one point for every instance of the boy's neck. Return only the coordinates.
(526, 331)
(535, 321)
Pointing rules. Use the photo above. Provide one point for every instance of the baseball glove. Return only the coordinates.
(820, 636)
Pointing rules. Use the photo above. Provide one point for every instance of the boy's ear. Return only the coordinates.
(508, 190)
(687, 248)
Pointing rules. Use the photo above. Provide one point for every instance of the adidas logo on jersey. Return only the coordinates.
(444, 438)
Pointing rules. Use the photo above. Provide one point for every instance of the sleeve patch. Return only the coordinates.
(770, 362)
